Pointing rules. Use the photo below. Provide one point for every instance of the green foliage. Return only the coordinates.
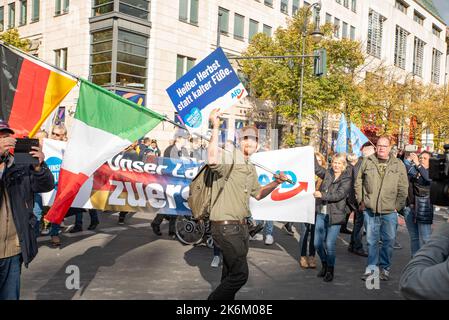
(12, 37)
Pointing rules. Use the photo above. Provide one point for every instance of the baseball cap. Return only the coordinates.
(248, 131)
(4, 126)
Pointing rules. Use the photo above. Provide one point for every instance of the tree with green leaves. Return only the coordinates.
(278, 80)
(12, 37)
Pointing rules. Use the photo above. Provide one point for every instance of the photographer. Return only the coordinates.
(426, 276)
(19, 183)
(418, 213)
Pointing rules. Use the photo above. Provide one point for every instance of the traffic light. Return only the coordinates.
(320, 62)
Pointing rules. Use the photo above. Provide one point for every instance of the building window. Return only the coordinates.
(188, 11)
(436, 31)
(284, 6)
(101, 58)
(336, 27)
(401, 6)
(346, 3)
(131, 59)
(267, 30)
(352, 33)
(23, 13)
(328, 18)
(253, 28)
(418, 17)
(354, 5)
(418, 56)
(183, 65)
(400, 47)
(11, 15)
(295, 7)
(2, 18)
(436, 62)
(61, 7)
(239, 26)
(61, 58)
(345, 30)
(135, 8)
(224, 20)
(375, 31)
(102, 7)
(268, 3)
(35, 11)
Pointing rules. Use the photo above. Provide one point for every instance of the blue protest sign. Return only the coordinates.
(211, 84)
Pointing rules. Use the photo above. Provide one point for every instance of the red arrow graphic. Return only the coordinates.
(280, 196)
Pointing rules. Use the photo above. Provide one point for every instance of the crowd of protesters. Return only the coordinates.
(374, 189)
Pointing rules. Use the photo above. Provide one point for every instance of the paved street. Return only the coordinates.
(130, 262)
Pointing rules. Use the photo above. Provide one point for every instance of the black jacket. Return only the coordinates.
(21, 182)
(419, 193)
(334, 193)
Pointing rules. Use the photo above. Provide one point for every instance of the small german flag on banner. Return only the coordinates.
(29, 90)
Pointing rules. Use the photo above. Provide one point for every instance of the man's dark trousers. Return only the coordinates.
(357, 231)
(233, 242)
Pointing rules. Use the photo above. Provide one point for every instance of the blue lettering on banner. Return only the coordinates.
(209, 80)
(54, 164)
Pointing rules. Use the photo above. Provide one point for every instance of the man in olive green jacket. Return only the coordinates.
(381, 189)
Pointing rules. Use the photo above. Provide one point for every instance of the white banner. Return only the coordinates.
(54, 152)
(289, 203)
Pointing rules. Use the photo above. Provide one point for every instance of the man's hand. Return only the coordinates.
(6, 144)
(280, 178)
(37, 153)
(414, 158)
(214, 118)
(317, 194)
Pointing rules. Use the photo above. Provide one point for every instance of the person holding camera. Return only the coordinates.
(18, 184)
(418, 213)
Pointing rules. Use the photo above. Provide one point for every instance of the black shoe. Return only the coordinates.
(121, 220)
(253, 230)
(288, 228)
(323, 270)
(345, 231)
(92, 226)
(360, 252)
(329, 276)
(350, 248)
(156, 229)
(76, 229)
(172, 235)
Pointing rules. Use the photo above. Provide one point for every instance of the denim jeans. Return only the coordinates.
(326, 239)
(54, 229)
(10, 269)
(233, 242)
(380, 227)
(419, 232)
(268, 228)
(79, 217)
(37, 211)
(357, 232)
(306, 231)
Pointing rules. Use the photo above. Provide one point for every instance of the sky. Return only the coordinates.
(443, 9)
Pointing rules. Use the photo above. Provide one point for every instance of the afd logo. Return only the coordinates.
(286, 190)
(237, 93)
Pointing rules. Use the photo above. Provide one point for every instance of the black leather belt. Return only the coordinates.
(224, 222)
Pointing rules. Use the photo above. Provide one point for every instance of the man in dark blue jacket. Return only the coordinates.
(18, 184)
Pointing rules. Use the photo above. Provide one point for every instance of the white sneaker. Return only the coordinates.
(215, 262)
(269, 239)
(257, 237)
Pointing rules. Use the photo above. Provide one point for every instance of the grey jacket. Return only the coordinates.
(426, 276)
(382, 195)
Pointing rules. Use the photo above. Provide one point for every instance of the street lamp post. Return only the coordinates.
(316, 34)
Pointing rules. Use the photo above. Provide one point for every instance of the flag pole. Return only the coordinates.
(11, 47)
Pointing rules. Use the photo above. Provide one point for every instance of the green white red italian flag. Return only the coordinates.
(104, 125)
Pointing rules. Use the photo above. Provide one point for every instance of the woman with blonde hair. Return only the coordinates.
(307, 230)
(331, 202)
